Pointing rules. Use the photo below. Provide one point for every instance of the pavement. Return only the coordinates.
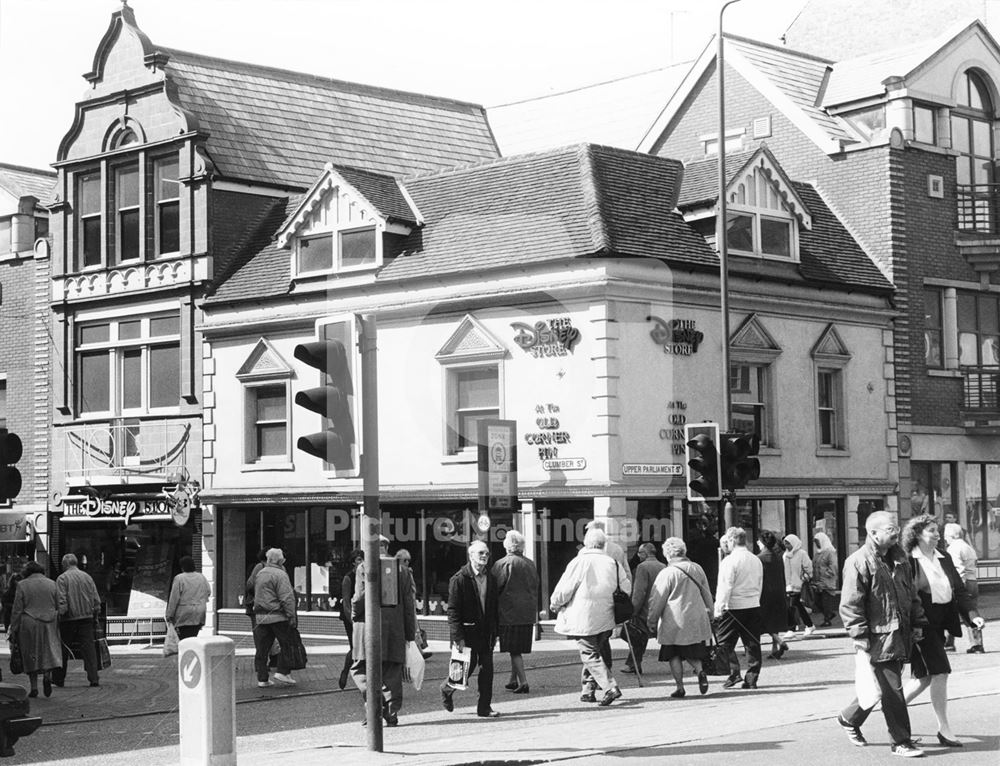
(548, 725)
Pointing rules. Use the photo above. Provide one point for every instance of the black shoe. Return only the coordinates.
(978, 649)
(948, 742)
(491, 713)
(60, 684)
(678, 694)
(853, 733)
(610, 696)
(703, 683)
(46, 687)
(731, 682)
(95, 683)
(446, 700)
(32, 693)
(588, 697)
(511, 686)
(390, 718)
(748, 684)
(342, 681)
(522, 689)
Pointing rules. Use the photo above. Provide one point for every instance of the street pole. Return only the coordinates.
(370, 531)
(722, 243)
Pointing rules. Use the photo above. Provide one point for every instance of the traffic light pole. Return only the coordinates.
(371, 530)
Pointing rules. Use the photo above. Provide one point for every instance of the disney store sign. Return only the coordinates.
(126, 510)
(555, 337)
(678, 337)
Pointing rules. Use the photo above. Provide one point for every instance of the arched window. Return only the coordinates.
(972, 137)
(126, 138)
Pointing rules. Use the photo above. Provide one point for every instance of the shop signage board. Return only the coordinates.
(497, 464)
(652, 469)
(565, 464)
(127, 510)
(13, 527)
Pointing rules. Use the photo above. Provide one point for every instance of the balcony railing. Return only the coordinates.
(977, 207)
(153, 450)
(981, 388)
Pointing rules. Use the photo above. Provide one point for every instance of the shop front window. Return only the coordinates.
(932, 489)
(981, 518)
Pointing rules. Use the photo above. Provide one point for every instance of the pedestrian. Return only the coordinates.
(615, 551)
(882, 614)
(636, 631)
(473, 620)
(737, 606)
(399, 625)
(35, 626)
(773, 606)
(251, 586)
(798, 570)
(583, 600)
(8, 598)
(346, 596)
(189, 596)
(964, 557)
(680, 614)
(517, 592)
(945, 602)
(79, 609)
(404, 558)
(825, 577)
(274, 608)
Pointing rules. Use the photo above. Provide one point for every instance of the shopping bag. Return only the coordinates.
(294, 653)
(170, 642)
(101, 645)
(808, 596)
(413, 670)
(865, 686)
(716, 661)
(16, 660)
(458, 667)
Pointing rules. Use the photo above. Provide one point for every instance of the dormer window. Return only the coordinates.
(760, 234)
(349, 250)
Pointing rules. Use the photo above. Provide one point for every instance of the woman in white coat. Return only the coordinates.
(188, 600)
(798, 569)
(583, 600)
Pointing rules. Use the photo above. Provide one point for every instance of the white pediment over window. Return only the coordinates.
(831, 346)
(264, 362)
(331, 204)
(752, 338)
(762, 184)
(471, 341)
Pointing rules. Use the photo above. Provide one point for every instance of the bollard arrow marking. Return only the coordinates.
(188, 672)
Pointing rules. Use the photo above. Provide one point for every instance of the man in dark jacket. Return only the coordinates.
(473, 619)
(883, 615)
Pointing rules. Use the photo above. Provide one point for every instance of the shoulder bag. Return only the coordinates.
(622, 601)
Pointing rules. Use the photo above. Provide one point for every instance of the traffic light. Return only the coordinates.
(704, 478)
(10, 477)
(739, 465)
(334, 355)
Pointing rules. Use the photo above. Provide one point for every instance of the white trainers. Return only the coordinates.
(264, 684)
(809, 631)
(281, 678)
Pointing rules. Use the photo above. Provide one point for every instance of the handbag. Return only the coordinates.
(101, 645)
(808, 596)
(413, 669)
(622, 601)
(716, 661)
(294, 653)
(16, 659)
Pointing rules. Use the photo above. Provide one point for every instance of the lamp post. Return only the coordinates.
(720, 226)
(727, 515)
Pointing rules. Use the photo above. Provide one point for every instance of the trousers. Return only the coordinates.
(897, 717)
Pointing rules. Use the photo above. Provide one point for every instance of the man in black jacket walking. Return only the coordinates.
(472, 620)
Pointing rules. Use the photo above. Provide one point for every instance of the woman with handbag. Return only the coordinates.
(34, 624)
(680, 609)
(798, 571)
(825, 577)
(584, 602)
(946, 602)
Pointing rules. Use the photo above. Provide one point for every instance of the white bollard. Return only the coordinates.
(206, 688)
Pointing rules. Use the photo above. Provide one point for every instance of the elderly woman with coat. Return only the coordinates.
(517, 587)
(680, 609)
(825, 577)
(798, 570)
(773, 609)
(585, 606)
(189, 596)
(35, 622)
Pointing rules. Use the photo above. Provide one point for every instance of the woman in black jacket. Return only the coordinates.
(946, 602)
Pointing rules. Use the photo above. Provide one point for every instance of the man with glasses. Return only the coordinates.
(883, 616)
(473, 619)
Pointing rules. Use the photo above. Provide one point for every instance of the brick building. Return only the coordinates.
(902, 144)
(25, 351)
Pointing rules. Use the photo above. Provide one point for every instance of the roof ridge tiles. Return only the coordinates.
(308, 77)
(26, 169)
(778, 48)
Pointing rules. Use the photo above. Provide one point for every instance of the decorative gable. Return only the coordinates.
(830, 347)
(762, 184)
(751, 339)
(264, 362)
(471, 341)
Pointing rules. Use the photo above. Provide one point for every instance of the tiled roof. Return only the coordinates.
(799, 76)
(277, 127)
(381, 190)
(253, 265)
(613, 113)
(827, 252)
(24, 182)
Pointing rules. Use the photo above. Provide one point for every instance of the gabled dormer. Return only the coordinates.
(340, 226)
(765, 211)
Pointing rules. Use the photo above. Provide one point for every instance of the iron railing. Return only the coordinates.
(981, 388)
(126, 448)
(977, 207)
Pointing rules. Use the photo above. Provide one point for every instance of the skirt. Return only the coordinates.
(928, 657)
(516, 638)
(684, 651)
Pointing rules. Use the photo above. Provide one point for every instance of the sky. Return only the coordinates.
(490, 53)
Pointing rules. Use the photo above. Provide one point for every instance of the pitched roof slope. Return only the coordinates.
(381, 190)
(279, 128)
(24, 182)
